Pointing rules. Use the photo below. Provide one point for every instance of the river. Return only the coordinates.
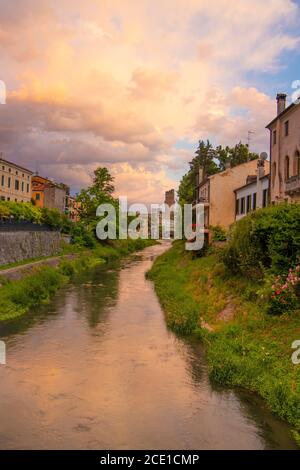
(98, 369)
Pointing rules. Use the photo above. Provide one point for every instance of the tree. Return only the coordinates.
(211, 161)
(186, 190)
(99, 192)
(204, 159)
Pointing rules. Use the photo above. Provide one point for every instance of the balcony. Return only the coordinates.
(292, 185)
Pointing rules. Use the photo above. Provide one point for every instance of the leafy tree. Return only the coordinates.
(186, 191)
(211, 161)
(204, 159)
(99, 192)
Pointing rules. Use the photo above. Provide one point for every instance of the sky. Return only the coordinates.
(134, 84)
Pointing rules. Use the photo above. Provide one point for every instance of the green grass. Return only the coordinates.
(37, 287)
(251, 350)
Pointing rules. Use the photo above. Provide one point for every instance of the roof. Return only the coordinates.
(252, 182)
(286, 110)
(15, 165)
(224, 171)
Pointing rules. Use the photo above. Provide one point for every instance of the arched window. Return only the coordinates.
(287, 167)
(297, 158)
(273, 173)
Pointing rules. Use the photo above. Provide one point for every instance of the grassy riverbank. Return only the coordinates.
(245, 346)
(37, 287)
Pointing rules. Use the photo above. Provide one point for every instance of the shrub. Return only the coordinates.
(218, 233)
(81, 236)
(266, 239)
(285, 293)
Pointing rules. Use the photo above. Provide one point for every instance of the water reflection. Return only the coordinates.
(97, 368)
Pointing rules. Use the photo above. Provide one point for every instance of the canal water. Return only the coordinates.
(98, 369)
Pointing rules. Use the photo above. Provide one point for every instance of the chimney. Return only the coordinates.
(260, 168)
(281, 102)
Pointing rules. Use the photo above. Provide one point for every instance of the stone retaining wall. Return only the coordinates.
(18, 246)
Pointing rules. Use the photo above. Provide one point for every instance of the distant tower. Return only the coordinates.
(170, 197)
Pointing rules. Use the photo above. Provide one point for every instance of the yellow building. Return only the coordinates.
(217, 194)
(15, 182)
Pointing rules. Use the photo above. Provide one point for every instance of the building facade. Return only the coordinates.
(285, 152)
(255, 193)
(47, 193)
(72, 208)
(217, 194)
(15, 182)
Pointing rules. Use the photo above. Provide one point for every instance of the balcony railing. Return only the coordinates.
(202, 200)
(292, 185)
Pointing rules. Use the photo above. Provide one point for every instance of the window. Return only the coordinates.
(37, 197)
(28, 188)
(297, 156)
(9, 170)
(273, 173)
(254, 201)
(2, 180)
(22, 186)
(274, 137)
(17, 185)
(17, 173)
(243, 205)
(2, 198)
(248, 203)
(287, 167)
(286, 128)
(237, 206)
(8, 182)
(265, 197)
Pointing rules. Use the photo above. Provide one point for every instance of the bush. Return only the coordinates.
(31, 213)
(81, 236)
(218, 233)
(266, 239)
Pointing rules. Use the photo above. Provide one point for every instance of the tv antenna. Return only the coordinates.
(249, 138)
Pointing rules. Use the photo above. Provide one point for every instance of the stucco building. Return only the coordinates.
(285, 152)
(255, 193)
(72, 208)
(15, 182)
(47, 193)
(217, 194)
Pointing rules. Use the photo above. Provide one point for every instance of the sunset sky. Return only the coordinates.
(134, 84)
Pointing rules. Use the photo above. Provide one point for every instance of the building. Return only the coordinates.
(47, 193)
(255, 193)
(285, 152)
(15, 182)
(217, 194)
(72, 208)
(170, 197)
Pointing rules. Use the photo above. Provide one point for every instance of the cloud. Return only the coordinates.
(121, 83)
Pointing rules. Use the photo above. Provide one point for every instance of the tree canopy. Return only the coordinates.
(211, 160)
(100, 192)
